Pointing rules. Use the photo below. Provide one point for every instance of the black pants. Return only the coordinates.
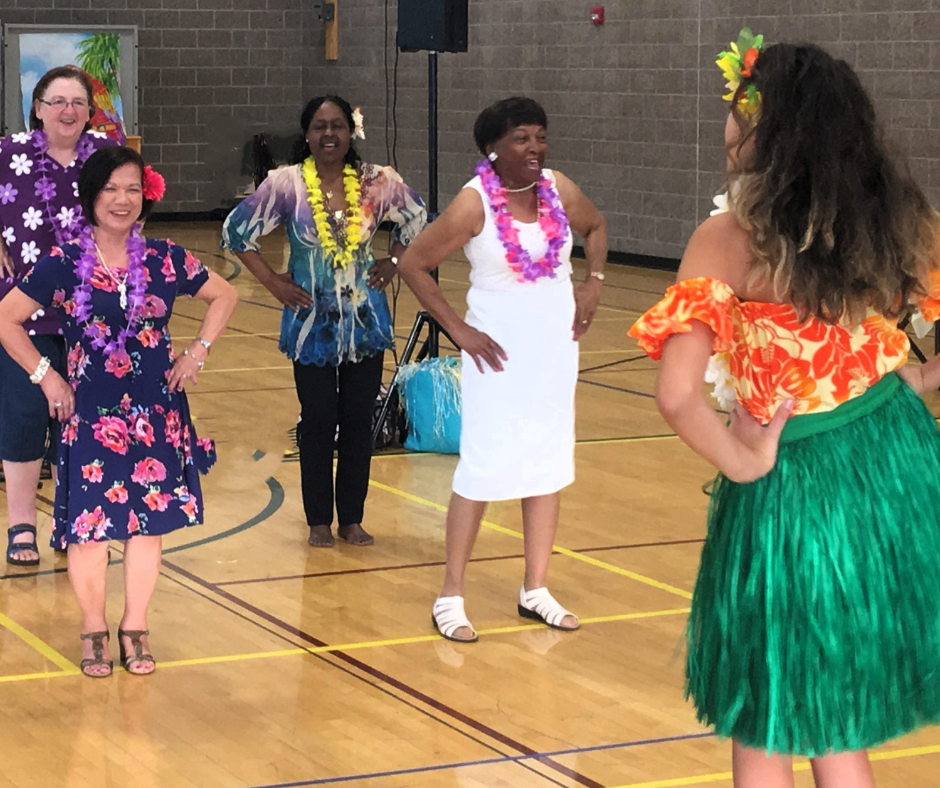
(343, 395)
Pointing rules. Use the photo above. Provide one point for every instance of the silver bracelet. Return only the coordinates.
(204, 342)
(199, 363)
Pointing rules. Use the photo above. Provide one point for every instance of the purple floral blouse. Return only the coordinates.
(39, 206)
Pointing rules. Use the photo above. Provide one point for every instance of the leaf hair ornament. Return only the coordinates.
(737, 65)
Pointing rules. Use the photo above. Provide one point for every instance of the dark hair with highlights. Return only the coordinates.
(503, 116)
(61, 72)
(837, 223)
(301, 149)
(98, 170)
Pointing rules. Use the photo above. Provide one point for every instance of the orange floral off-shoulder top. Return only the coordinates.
(766, 355)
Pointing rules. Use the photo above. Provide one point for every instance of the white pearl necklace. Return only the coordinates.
(523, 189)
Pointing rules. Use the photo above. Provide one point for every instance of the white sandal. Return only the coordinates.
(448, 616)
(542, 606)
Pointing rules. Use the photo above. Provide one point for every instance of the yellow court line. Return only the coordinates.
(246, 369)
(889, 755)
(407, 641)
(179, 663)
(636, 439)
(39, 645)
(238, 336)
(612, 350)
(587, 442)
(31, 676)
(561, 550)
(291, 652)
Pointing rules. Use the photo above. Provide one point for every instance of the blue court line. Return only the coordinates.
(487, 761)
(274, 503)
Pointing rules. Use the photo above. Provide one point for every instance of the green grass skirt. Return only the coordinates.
(815, 625)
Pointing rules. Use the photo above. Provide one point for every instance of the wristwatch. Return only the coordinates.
(597, 275)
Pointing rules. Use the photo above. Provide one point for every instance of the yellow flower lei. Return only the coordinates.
(341, 257)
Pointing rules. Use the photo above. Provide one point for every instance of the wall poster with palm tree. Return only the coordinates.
(108, 55)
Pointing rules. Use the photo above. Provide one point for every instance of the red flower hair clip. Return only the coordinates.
(154, 186)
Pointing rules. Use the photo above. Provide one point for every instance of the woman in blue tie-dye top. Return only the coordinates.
(336, 324)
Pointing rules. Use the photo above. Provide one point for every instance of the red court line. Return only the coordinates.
(392, 681)
(427, 564)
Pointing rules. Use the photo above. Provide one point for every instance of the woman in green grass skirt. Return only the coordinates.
(815, 626)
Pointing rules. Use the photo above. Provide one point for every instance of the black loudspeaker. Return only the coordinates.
(434, 25)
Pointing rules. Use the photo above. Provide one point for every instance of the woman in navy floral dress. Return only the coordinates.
(129, 460)
(38, 210)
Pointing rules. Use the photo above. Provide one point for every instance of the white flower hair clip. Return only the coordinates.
(358, 132)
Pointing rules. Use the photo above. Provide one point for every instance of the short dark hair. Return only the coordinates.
(301, 149)
(61, 72)
(505, 115)
(97, 172)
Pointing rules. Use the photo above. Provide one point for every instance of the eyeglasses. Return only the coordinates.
(59, 104)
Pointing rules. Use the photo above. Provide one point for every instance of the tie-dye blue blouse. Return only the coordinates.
(348, 320)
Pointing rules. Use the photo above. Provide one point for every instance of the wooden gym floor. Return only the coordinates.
(283, 665)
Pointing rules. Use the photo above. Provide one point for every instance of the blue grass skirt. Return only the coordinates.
(815, 624)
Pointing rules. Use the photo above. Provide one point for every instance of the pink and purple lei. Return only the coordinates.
(552, 220)
(136, 297)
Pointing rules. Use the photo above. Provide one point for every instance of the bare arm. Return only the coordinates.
(590, 224)
(15, 309)
(461, 221)
(746, 451)
(222, 299)
(924, 378)
(7, 268)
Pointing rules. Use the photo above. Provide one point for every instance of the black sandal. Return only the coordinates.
(14, 548)
(138, 656)
(97, 645)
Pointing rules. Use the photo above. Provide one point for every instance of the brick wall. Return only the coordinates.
(634, 106)
(211, 74)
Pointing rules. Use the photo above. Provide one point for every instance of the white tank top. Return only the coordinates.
(489, 269)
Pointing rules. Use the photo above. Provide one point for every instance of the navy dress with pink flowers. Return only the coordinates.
(130, 460)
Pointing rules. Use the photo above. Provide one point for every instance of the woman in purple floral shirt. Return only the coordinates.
(39, 209)
(129, 460)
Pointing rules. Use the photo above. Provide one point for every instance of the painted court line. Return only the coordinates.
(386, 682)
(487, 761)
(804, 766)
(561, 550)
(407, 641)
(428, 564)
(292, 652)
(65, 667)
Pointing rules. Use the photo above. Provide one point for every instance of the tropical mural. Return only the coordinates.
(97, 54)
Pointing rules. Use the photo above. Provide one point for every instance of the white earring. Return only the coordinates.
(493, 156)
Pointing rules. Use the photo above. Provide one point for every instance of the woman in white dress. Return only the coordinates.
(519, 342)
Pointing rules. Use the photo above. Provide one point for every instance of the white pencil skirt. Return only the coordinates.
(517, 428)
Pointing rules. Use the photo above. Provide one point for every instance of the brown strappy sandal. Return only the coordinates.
(97, 645)
(138, 656)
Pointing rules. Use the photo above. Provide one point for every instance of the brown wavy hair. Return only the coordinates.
(837, 223)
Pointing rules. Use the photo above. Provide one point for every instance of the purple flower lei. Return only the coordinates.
(136, 297)
(552, 220)
(45, 186)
